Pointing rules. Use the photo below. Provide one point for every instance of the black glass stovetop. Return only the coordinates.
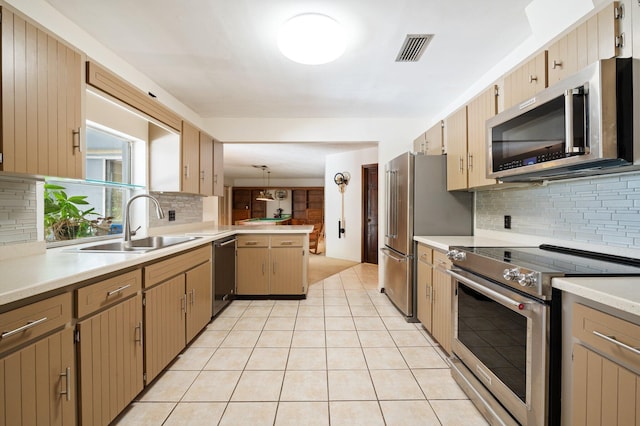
(565, 261)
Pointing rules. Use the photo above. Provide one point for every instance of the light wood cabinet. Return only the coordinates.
(525, 81)
(206, 164)
(442, 316)
(430, 142)
(190, 138)
(42, 92)
(606, 382)
(425, 286)
(479, 110)
(455, 133)
(39, 378)
(218, 169)
(274, 264)
(177, 305)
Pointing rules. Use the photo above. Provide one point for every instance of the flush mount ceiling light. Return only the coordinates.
(311, 39)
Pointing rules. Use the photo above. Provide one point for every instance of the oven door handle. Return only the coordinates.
(520, 306)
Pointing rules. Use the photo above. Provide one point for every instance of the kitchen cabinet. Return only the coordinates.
(526, 80)
(39, 378)
(442, 315)
(177, 305)
(430, 142)
(455, 133)
(218, 168)
(600, 37)
(110, 353)
(479, 110)
(606, 382)
(42, 96)
(272, 264)
(424, 281)
(206, 156)
(190, 138)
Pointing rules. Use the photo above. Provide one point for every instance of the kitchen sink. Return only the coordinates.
(142, 245)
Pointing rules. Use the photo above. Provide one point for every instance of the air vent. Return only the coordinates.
(413, 47)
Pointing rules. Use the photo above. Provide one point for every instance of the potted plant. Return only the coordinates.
(64, 220)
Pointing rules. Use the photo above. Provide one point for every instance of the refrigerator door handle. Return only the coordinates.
(393, 256)
(392, 204)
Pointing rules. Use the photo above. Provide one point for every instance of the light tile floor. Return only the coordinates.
(343, 356)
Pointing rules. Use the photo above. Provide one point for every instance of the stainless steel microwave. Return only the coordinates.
(581, 125)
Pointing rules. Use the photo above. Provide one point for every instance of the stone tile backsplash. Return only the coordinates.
(188, 209)
(18, 217)
(601, 210)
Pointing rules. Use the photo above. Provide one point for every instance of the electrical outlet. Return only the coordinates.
(507, 222)
(172, 215)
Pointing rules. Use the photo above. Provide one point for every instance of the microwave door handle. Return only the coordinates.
(568, 120)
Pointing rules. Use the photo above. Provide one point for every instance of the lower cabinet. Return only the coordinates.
(425, 286)
(442, 319)
(177, 305)
(272, 264)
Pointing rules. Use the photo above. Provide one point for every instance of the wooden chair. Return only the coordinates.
(314, 237)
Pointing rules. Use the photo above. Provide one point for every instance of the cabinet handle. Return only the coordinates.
(118, 290)
(202, 175)
(67, 391)
(286, 243)
(215, 178)
(274, 267)
(186, 171)
(183, 302)
(470, 161)
(139, 328)
(429, 291)
(25, 327)
(620, 40)
(612, 339)
(75, 136)
(556, 64)
(532, 78)
(251, 243)
(461, 164)
(193, 296)
(263, 268)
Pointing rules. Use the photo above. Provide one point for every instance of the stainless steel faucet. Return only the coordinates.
(128, 233)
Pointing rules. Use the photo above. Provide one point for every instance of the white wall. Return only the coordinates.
(349, 246)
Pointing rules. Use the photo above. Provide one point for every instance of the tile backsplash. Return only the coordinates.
(601, 210)
(18, 216)
(188, 209)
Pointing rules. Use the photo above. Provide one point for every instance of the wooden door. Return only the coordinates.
(39, 383)
(218, 169)
(434, 139)
(299, 200)
(455, 129)
(164, 319)
(479, 111)
(370, 213)
(286, 270)
(604, 393)
(442, 302)
(424, 284)
(190, 138)
(206, 164)
(41, 102)
(252, 276)
(199, 287)
(110, 361)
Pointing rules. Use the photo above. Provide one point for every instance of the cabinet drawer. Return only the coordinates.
(165, 269)
(440, 260)
(28, 322)
(287, 240)
(104, 293)
(613, 337)
(425, 254)
(253, 241)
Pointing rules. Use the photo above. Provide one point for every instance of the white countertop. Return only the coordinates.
(617, 292)
(57, 268)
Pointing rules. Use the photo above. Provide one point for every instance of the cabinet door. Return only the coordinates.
(199, 303)
(604, 393)
(164, 324)
(424, 282)
(433, 139)
(479, 111)
(39, 383)
(218, 169)
(455, 129)
(420, 143)
(190, 158)
(110, 361)
(286, 270)
(442, 302)
(252, 275)
(526, 80)
(206, 164)
(41, 102)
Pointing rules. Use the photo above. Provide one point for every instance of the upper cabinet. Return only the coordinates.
(526, 80)
(479, 110)
(455, 133)
(211, 166)
(600, 37)
(42, 93)
(218, 168)
(430, 142)
(190, 159)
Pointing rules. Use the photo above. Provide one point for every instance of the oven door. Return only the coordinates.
(501, 337)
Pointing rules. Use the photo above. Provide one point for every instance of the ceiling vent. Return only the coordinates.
(413, 47)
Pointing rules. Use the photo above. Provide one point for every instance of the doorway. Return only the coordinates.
(370, 213)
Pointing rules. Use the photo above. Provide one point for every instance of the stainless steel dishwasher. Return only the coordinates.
(224, 273)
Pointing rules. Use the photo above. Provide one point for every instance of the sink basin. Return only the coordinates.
(142, 245)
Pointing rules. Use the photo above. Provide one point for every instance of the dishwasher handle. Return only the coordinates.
(226, 243)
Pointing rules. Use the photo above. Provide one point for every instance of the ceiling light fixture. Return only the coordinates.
(265, 195)
(311, 39)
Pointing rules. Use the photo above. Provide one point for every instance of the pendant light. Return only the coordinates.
(265, 195)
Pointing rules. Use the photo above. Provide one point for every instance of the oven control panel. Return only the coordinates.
(525, 279)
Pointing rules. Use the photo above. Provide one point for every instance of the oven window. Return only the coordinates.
(497, 336)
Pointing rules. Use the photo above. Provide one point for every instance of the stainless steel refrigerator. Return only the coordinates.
(417, 203)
